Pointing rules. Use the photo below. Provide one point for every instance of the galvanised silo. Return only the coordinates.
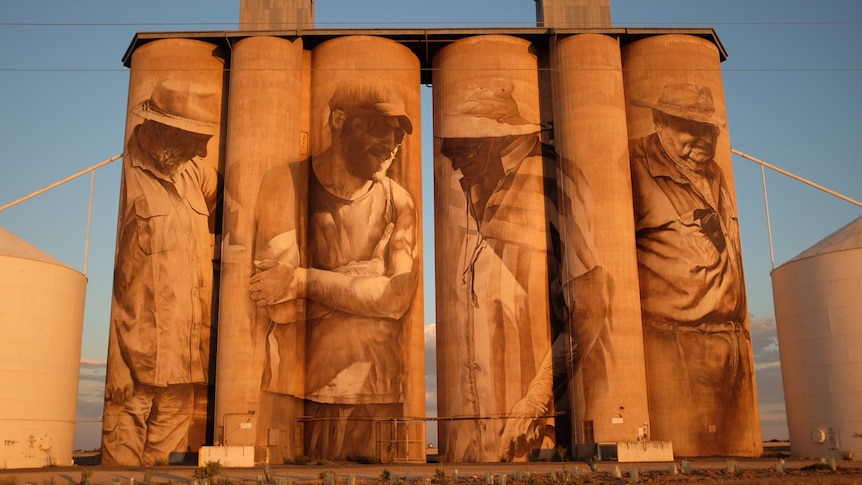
(818, 312)
(41, 323)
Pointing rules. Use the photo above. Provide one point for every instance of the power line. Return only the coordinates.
(849, 69)
(317, 24)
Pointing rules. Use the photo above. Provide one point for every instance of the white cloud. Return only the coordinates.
(91, 392)
(88, 362)
(764, 339)
(770, 388)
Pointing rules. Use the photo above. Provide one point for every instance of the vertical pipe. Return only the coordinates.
(768, 221)
(89, 220)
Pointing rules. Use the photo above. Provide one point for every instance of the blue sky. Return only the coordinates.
(792, 85)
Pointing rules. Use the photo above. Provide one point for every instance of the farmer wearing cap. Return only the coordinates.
(360, 279)
(509, 300)
(690, 267)
(159, 345)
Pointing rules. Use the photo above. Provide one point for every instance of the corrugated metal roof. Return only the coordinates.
(15, 247)
(848, 237)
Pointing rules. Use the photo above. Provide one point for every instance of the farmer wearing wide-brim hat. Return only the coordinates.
(485, 137)
(159, 346)
(189, 107)
(686, 101)
(504, 300)
(690, 273)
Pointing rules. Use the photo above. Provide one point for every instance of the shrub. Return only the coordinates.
(301, 460)
(86, 473)
(363, 459)
(210, 470)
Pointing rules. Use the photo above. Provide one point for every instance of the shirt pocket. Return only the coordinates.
(199, 219)
(700, 244)
(155, 234)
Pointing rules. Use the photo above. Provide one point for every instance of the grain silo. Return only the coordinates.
(818, 312)
(41, 320)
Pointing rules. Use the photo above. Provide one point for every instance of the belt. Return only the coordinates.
(705, 328)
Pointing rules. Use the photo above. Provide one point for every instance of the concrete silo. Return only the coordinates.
(818, 312)
(41, 321)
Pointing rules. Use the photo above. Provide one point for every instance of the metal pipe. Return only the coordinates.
(796, 177)
(768, 222)
(89, 220)
(61, 182)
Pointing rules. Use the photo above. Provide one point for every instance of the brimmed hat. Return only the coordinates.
(186, 106)
(487, 111)
(361, 96)
(687, 101)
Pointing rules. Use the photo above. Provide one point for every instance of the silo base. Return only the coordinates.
(627, 451)
(24, 447)
(228, 456)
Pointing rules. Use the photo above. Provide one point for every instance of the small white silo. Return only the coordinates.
(41, 323)
(818, 313)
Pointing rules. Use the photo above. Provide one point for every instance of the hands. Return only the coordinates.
(276, 282)
(523, 426)
(526, 421)
(119, 385)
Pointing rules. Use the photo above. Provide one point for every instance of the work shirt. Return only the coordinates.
(164, 271)
(352, 358)
(347, 357)
(502, 301)
(696, 334)
(689, 260)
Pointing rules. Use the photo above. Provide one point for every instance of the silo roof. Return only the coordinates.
(848, 237)
(15, 247)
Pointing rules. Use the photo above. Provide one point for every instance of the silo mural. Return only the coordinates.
(267, 125)
(599, 264)
(321, 352)
(364, 348)
(341, 290)
(159, 359)
(497, 304)
(589, 282)
(697, 340)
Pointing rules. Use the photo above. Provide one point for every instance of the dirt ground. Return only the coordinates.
(711, 471)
